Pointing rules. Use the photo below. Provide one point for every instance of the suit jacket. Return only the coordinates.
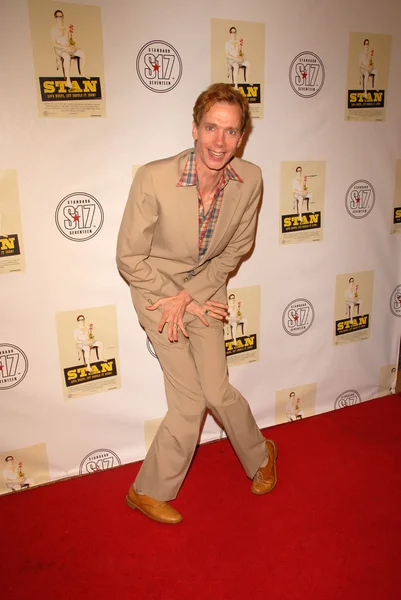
(157, 249)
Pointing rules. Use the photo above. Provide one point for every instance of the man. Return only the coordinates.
(188, 221)
(366, 66)
(235, 57)
(292, 409)
(351, 298)
(300, 192)
(85, 341)
(392, 380)
(235, 318)
(65, 47)
(14, 477)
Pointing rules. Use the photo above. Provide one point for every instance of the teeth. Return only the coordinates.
(217, 154)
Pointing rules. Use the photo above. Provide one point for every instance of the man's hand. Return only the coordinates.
(173, 313)
(212, 308)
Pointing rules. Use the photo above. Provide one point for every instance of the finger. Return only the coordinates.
(201, 314)
(161, 325)
(181, 326)
(215, 311)
(163, 322)
(172, 324)
(215, 303)
(216, 316)
(167, 317)
(153, 306)
(219, 311)
(172, 331)
(202, 318)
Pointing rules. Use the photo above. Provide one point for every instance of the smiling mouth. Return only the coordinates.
(216, 154)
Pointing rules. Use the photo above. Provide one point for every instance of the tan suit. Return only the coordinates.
(157, 253)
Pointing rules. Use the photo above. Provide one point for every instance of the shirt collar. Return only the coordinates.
(189, 175)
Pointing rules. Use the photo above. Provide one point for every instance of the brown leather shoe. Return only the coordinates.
(266, 477)
(154, 509)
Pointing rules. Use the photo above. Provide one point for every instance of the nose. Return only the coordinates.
(219, 139)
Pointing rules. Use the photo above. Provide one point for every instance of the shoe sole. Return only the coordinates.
(135, 507)
(274, 471)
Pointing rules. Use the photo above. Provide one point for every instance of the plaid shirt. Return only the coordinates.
(207, 222)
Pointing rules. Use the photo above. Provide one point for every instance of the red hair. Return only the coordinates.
(225, 93)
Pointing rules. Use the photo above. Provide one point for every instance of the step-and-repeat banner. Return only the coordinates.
(92, 91)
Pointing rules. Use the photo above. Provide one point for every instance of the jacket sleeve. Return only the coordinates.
(135, 239)
(204, 285)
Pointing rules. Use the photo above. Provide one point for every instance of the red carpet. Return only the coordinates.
(330, 530)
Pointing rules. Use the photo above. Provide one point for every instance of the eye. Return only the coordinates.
(209, 127)
(232, 132)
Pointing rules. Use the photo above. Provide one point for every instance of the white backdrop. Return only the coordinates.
(55, 157)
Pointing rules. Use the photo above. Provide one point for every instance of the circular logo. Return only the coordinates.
(360, 199)
(99, 460)
(159, 66)
(150, 348)
(13, 366)
(298, 316)
(307, 74)
(79, 217)
(348, 398)
(395, 302)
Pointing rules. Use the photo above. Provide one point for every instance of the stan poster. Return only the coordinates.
(396, 212)
(11, 243)
(238, 58)
(367, 76)
(23, 468)
(242, 326)
(302, 191)
(88, 350)
(387, 380)
(296, 403)
(68, 59)
(353, 307)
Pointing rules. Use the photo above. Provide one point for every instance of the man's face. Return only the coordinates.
(217, 136)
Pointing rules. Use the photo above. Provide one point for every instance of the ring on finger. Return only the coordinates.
(206, 311)
(175, 324)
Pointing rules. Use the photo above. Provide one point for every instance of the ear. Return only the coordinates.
(194, 131)
(240, 139)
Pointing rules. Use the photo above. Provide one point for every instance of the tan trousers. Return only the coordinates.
(196, 378)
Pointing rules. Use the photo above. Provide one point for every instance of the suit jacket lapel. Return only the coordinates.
(187, 209)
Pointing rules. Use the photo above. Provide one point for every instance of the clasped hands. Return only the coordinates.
(175, 307)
